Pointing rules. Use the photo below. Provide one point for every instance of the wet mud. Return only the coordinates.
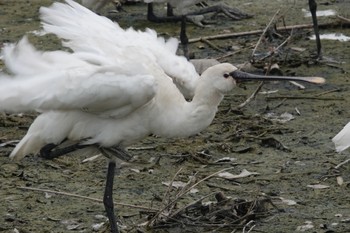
(282, 137)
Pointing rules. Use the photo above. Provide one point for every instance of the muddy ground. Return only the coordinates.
(289, 158)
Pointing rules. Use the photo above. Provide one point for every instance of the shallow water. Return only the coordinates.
(319, 113)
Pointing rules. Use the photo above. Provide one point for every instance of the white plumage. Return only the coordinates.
(115, 88)
(342, 139)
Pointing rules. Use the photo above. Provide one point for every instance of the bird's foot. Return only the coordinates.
(231, 12)
(52, 151)
(116, 152)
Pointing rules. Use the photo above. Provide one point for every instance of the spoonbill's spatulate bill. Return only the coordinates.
(113, 89)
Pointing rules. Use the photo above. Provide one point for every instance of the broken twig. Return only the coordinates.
(86, 198)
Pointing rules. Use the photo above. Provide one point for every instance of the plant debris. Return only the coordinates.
(224, 212)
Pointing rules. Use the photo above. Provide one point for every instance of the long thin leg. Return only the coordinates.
(157, 19)
(108, 197)
(184, 38)
(313, 9)
(169, 10)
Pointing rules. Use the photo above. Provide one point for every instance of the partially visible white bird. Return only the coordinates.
(115, 87)
(180, 7)
(97, 5)
(342, 139)
(184, 8)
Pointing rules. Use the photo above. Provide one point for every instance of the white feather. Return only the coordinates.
(102, 36)
(342, 139)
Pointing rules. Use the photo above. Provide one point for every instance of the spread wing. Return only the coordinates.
(63, 81)
(85, 32)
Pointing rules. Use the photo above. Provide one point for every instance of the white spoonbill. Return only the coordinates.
(113, 88)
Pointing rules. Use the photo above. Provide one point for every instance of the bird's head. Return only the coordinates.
(223, 77)
(219, 76)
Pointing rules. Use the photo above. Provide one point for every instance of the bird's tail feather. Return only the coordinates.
(30, 143)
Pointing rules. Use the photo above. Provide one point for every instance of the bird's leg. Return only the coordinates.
(112, 153)
(108, 197)
(184, 38)
(157, 19)
(313, 9)
(48, 151)
(169, 10)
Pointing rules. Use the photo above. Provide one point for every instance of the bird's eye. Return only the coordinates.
(226, 75)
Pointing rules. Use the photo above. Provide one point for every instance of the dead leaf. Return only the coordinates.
(92, 158)
(180, 184)
(302, 87)
(11, 143)
(230, 176)
(283, 118)
(287, 201)
(318, 186)
(305, 227)
(298, 49)
(225, 160)
(340, 180)
(135, 170)
(175, 184)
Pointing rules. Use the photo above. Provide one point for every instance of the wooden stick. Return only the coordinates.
(252, 96)
(343, 19)
(255, 32)
(212, 45)
(264, 32)
(302, 97)
(87, 198)
(342, 163)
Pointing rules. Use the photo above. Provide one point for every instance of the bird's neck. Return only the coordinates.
(189, 118)
(207, 97)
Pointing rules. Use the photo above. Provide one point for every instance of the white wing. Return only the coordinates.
(62, 81)
(75, 24)
(342, 139)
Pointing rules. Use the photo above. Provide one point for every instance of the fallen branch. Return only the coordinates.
(252, 96)
(302, 97)
(342, 163)
(346, 20)
(87, 198)
(327, 92)
(212, 45)
(256, 32)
